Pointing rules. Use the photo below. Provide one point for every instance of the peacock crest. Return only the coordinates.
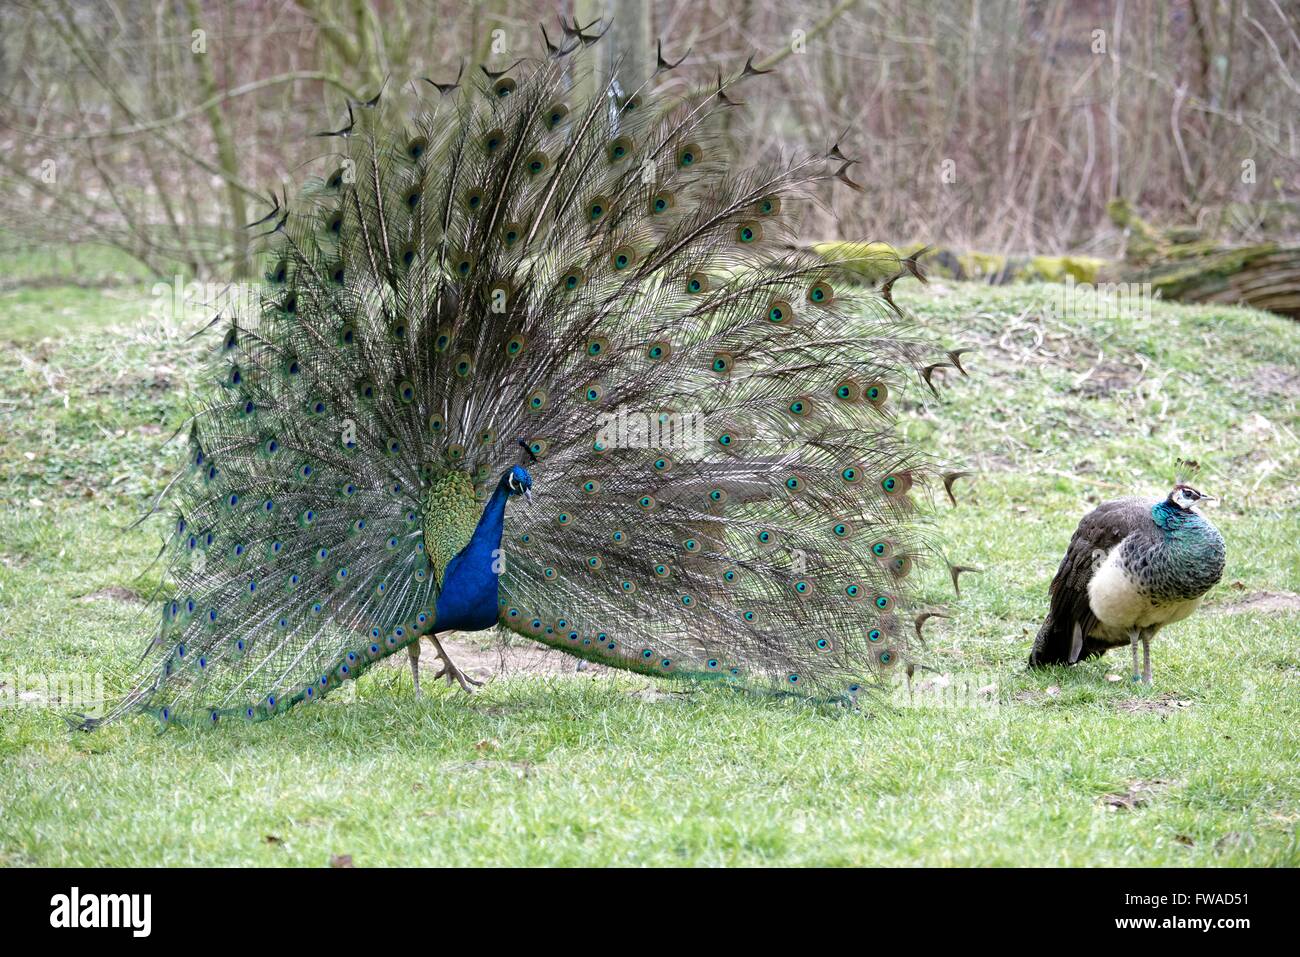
(499, 285)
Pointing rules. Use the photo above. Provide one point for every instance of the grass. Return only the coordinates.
(1061, 767)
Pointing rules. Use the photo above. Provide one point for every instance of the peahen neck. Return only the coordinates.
(1190, 557)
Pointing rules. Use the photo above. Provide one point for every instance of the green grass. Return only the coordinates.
(576, 769)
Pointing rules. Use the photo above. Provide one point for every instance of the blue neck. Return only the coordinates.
(1174, 519)
(468, 600)
(487, 534)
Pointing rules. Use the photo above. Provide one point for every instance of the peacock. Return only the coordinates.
(1132, 567)
(535, 360)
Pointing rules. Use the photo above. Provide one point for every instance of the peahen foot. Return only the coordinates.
(451, 672)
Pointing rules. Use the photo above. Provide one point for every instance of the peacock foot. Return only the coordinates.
(451, 672)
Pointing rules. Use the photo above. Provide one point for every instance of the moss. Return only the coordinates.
(1057, 268)
(876, 261)
(871, 262)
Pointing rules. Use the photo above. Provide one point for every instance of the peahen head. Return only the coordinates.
(1186, 497)
(517, 481)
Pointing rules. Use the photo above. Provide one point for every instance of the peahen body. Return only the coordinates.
(508, 288)
(1132, 567)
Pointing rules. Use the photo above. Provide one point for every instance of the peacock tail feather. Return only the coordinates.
(504, 273)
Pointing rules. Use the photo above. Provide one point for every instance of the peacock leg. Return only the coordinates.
(450, 671)
(1146, 656)
(1133, 643)
(413, 650)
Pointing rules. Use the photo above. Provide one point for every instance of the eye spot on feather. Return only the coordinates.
(536, 400)
(851, 475)
(723, 363)
(597, 346)
(622, 258)
(748, 233)
(896, 484)
(697, 283)
(779, 312)
(802, 406)
(620, 148)
(661, 202)
(876, 393)
(573, 278)
(504, 87)
(493, 139)
(689, 155)
(658, 351)
(821, 294)
(555, 114)
(536, 163)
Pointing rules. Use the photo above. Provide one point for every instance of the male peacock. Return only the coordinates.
(1132, 567)
(509, 287)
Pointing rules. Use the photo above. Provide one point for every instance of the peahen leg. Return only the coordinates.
(1133, 643)
(413, 651)
(1146, 657)
(450, 671)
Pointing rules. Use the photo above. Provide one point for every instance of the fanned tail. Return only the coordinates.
(721, 488)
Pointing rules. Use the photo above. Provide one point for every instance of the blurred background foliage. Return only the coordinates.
(159, 128)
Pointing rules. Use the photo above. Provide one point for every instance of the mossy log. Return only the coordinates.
(874, 262)
(1182, 265)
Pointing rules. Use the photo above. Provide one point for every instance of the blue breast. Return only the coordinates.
(468, 600)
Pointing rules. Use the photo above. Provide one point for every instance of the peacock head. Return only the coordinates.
(517, 481)
(1186, 497)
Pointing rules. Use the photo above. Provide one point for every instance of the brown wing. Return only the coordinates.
(1099, 531)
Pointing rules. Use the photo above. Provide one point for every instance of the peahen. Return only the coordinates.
(1132, 567)
(507, 289)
